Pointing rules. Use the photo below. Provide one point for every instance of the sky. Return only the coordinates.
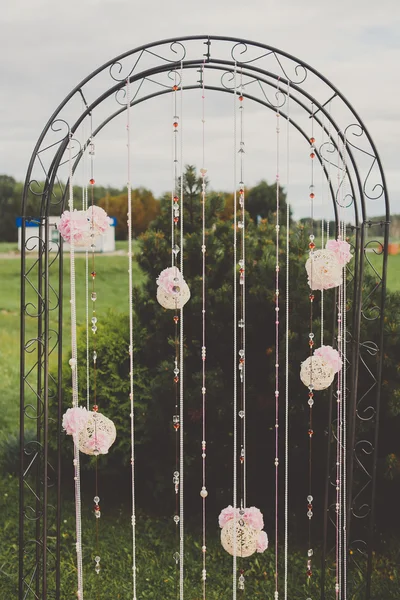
(47, 47)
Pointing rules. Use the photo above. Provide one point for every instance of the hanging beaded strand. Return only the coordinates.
(242, 283)
(234, 499)
(277, 333)
(181, 387)
(75, 393)
(344, 388)
(95, 408)
(130, 302)
(175, 249)
(287, 334)
(311, 246)
(203, 492)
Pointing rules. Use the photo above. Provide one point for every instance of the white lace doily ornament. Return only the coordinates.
(172, 291)
(324, 270)
(246, 538)
(317, 373)
(97, 436)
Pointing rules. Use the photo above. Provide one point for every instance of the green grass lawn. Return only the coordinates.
(112, 293)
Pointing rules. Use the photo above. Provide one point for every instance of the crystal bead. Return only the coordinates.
(241, 262)
(241, 353)
(94, 328)
(91, 181)
(310, 402)
(72, 363)
(176, 371)
(97, 569)
(310, 498)
(93, 296)
(309, 514)
(310, 552)
(312, 140)
(176, 557)
(241, 323)
(97, 514)
(204, 549)
(176, 519)
(175, 249)
(96, 499)
(241, 414)
(94, 356)
(94, 320)
(97, 559)
(175, 419)
(240, 224)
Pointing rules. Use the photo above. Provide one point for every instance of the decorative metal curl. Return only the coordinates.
(237, 56)
(378, 186)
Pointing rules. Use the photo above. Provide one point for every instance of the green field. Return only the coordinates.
(112, 292)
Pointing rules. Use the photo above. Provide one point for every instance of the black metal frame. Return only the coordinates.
(270, 77)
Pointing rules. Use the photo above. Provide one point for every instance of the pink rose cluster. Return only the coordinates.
(75, 419)
(170, 280)
(331, 356)
(81, 224)
(252, 516)
(99, 441)
(341, 249)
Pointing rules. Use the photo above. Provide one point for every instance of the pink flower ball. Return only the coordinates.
(74, 420)
(98, 219)
(341, 249)
(100, 441)
(170, 280)
(76, 224)
(262, 542)
(253, 516)
(227, 514)
(331, 356)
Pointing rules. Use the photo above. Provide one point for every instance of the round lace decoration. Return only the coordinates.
(175, 299)
(324, 270)
(98, 435)
(246, 538)
(317, 373)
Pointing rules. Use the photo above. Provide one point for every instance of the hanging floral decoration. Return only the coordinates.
(324, 270)
(172, 291)
(93, 432)
(84, 226)
(244, 533)
(317, 373)
(341, 249)
(330, 356)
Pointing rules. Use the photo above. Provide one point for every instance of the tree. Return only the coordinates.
(145, 208)
(261, 201)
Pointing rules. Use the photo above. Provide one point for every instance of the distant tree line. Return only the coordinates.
(260, 204)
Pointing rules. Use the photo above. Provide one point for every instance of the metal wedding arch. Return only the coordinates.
(271, 78)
